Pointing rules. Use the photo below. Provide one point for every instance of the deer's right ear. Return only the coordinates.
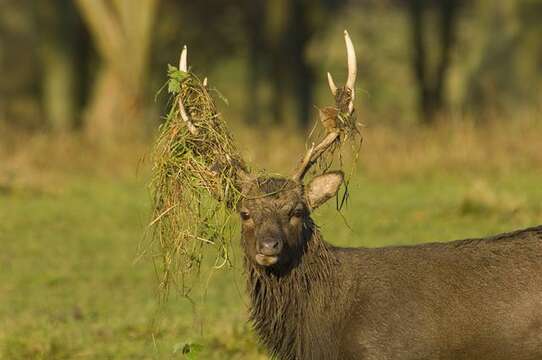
(322, 188)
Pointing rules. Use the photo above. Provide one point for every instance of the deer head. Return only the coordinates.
(275, 216)
(275, 211)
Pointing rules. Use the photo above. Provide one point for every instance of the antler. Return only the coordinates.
(344, 100)
(184, 67)
(231, 159)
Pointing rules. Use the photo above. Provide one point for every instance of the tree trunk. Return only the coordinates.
(114, 113)
(121, 30)
(447, 31)
(300, 31)
(254, 12)
(432, 84)
(277, 77)
(419, 61)
(59, 78)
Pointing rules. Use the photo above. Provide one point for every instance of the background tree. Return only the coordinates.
(278, 35)
(62, 63)
(511, 33)
(252, 15)
(431, 77)
(107, 57)
(20, 89)
(121, 31)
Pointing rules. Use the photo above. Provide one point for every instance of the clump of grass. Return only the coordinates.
(191, 171)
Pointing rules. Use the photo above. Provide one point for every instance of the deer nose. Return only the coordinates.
(270, 246)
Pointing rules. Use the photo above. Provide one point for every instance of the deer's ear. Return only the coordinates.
(322, 188)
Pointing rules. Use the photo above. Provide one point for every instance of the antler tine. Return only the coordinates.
(331, 84)
(315, 151)
(182, 61)
(352, 65)
(184, 67)
(352, 69)
(313, 154)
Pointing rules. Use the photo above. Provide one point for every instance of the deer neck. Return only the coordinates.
(283, 304)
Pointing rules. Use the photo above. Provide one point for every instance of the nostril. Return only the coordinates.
(270, 246)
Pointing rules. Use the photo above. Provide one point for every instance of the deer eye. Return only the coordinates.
(298, 212)
(245, 215)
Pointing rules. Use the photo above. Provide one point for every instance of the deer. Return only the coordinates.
(465, 299)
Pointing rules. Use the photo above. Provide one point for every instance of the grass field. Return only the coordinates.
(70, 287)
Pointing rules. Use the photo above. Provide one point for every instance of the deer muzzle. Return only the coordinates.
(268, 250)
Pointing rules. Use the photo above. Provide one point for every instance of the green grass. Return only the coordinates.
(69, 286)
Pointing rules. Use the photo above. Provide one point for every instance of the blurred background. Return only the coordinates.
(95, 66)
(449, 92)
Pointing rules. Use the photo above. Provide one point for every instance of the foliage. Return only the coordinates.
(189, 350)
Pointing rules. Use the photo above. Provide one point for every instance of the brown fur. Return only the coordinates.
(469, 299)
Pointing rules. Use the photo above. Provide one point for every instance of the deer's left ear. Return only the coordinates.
(322, 188)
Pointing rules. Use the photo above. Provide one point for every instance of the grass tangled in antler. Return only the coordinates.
(196, 170)
(190, 173)
(338, 119)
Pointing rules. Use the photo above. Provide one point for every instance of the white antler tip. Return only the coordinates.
(331, 84)
(352, 65)
(182, 61)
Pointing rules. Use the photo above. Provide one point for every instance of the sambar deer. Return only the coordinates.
(468, 299)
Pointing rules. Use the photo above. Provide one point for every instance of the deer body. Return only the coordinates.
(475, 299)
(469, 299)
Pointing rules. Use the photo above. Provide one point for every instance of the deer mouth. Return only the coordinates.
(266, 260)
